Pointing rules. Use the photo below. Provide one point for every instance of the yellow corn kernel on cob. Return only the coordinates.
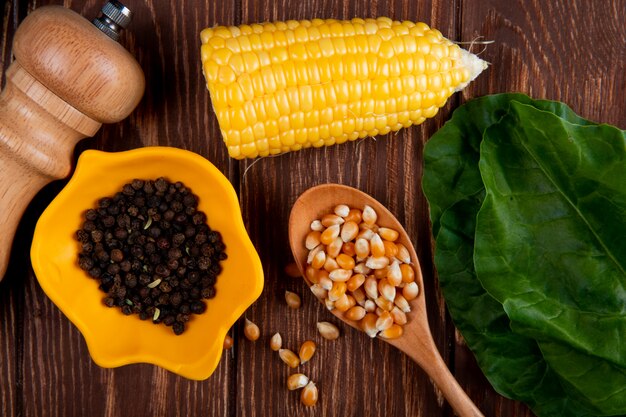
(283, 86)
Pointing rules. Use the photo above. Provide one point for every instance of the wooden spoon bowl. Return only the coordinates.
(416, 341)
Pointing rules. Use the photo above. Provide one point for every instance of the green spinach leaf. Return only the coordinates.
(550, 243)
(513, 362)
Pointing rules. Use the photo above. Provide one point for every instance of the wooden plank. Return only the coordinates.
(59, 377)
(567, 51)
(356, 375)
(12, 287)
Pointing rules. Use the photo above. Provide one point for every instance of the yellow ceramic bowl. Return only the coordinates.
(112, 338)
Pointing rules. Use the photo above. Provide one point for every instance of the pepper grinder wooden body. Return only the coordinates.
(67, 79)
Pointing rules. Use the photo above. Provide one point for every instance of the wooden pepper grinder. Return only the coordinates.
(69, 76)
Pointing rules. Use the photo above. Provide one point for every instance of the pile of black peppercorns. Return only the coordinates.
(152, 252)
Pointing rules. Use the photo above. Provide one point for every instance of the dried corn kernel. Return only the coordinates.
(307, 349)
(276, 342)
(369, 215)
(408, 274)
(392, 332)
(384, 321)
(355, 313)
(368, 324)
(251, 330)
(394, 274)
(410, 291)
(327, 330)
(318, 291)
(355, 281)
(349, 231)
(292, 270)
(340, 275)
(341, 210)
(228, 342)
(399, 316)
(309, 395)
(290, 358)
(344, 303)
(292, 299)
(337, 291)
(297, 381)
(388, 234)
(312, 240)
(402, 303)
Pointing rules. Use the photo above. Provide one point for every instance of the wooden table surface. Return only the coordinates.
(570, 50)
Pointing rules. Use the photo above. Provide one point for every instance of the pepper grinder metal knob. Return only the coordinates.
(69, 76)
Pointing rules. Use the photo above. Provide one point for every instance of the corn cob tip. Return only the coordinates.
(475, 66)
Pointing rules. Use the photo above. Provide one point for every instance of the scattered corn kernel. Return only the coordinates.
(251, 330)
(309, 395)
(290, 358)
(276, 342)
(307, 349)
(327, 330)
(292, 299)
(228, 342)
(297, 381)
(292, 270)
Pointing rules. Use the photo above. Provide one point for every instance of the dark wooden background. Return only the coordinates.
(573, 51)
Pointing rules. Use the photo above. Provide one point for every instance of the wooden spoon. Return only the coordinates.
(416, 341)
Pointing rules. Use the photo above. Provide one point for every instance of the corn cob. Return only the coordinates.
(284, 86)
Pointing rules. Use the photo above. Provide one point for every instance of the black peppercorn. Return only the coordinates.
(117, 255)
(152, 243)
(197, 307)
(178, 328)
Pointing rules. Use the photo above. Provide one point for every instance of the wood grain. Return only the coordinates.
(563, 50)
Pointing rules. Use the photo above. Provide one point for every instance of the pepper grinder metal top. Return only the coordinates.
(114, 17)
(67, 79)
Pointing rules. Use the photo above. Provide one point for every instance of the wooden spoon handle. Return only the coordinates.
(432, 363)
(458, 399)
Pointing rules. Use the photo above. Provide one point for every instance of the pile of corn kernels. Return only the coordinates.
(358, 268)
